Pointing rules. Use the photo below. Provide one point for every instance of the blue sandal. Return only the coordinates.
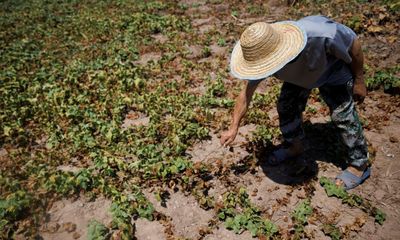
(351, 181)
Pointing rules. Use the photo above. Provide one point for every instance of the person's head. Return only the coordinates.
(263, 49)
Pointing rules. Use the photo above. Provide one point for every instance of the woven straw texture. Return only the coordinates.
(264, 48)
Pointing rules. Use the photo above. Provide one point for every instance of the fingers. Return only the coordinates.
(222, 141)
(228, 142)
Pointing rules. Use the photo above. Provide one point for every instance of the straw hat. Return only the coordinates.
(265, 48)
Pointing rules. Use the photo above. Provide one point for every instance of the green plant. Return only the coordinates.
(221, 42)
(206, 51)
(248, 218)
(385, 78)
(263, 135)
(332, 189)
(235, 13)
(97, 231)
(300, 216)
(332, 231)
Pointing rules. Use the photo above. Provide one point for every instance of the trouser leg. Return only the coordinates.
(291, 104)
(345, 118)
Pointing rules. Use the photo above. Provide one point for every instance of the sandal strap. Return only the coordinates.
(350, 180)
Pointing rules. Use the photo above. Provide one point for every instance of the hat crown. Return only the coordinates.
(258, 41)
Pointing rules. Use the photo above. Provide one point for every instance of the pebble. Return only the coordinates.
(76, 235)
(69, 227)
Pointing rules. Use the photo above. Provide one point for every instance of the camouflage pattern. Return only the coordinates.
(292, 102)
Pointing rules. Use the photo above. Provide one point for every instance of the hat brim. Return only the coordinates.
(293, 41)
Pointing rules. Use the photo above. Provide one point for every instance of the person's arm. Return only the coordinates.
(359, 90)
(240, 109)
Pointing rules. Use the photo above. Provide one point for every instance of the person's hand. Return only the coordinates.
(228, 137)
(359, 91)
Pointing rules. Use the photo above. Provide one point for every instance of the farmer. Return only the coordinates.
(314, 52)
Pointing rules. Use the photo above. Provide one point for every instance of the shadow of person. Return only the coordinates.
(322, 144)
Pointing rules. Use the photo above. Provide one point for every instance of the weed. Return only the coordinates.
(352, 200)
(332, 231)
(247, 218)
(221, 42)
(300, 215)
(97, 231)
(385, 78)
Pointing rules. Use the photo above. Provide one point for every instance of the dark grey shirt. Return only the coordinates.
(325, 59)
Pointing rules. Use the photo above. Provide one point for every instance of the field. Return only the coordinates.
(111, 113)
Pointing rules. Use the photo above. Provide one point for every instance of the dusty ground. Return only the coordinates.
(276, 190)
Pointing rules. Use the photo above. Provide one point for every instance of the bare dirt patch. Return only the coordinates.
(148, 57)
(135, 119)
(187, 216)
(222, 233)
(69, 219)
(149, 230)
(211, 150)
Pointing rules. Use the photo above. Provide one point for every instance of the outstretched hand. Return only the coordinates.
(228, 137)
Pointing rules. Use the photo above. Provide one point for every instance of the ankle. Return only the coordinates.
(359, 168)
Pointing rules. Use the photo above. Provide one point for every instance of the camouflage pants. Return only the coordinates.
(292, 102)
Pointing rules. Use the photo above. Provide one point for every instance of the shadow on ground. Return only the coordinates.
(322, 144)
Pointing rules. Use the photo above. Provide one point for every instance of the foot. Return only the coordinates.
(283, 154)
(357, 171)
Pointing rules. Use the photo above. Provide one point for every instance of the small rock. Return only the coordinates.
(393, 139)
(52, 227)
(285, 219)
(254, 193)
(69, 227)
(3, 152)
(221, 7)
(76, 235)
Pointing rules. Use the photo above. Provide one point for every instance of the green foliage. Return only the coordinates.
(332, 231)
(393, 5)
(215, 93)
(235, 13)
(14, 205)
(69, 77)
(332, 189)
(221, 42)
(206, 51)
(388, 79)
(380, 216)
(300, 215)
(302, 212)
(247, 218)
(97, 231)
(353, 200)
(263, 135)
